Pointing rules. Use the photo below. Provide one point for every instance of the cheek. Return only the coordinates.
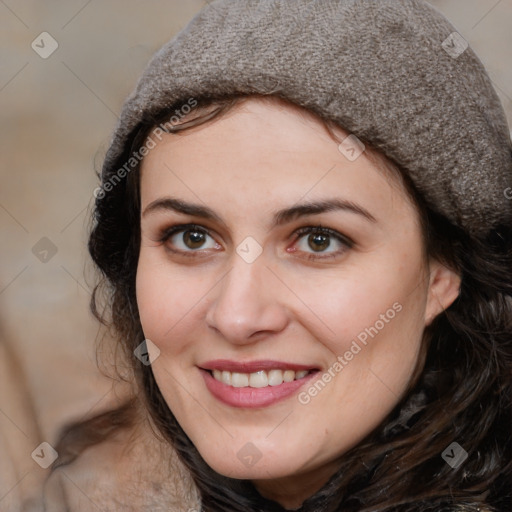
(165, 299)
(388, 297)
(374, 324)
(381, 322)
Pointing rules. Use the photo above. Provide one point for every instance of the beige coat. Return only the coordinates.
(21, 478)
(126, 473)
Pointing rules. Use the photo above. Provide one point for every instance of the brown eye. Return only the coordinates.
(193, 239)
(318, 242)
(186, 239)
(321, 240)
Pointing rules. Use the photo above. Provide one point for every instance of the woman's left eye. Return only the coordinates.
(190, 238)
(319, 239)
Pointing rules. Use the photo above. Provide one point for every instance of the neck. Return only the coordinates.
(291, 491)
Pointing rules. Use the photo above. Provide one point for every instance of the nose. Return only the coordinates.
(247, 305)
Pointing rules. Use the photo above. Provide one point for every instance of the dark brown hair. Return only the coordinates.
(460, 392)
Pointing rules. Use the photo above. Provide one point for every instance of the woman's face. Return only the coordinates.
(284, 284)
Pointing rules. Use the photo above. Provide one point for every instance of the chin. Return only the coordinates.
(246, 467)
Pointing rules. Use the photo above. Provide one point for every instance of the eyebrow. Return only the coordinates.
(280, 217)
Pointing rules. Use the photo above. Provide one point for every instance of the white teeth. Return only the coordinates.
(239, 380)
(260, 379)
(289, 375)
(275, 377)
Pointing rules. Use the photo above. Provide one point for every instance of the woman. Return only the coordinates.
(305, 234)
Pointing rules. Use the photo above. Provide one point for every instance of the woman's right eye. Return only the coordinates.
(187, 239)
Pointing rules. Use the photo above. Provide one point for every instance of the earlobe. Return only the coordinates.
(444, 288)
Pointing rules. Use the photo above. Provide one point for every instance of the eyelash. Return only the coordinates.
(299, 233)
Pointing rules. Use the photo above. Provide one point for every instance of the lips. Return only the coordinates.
(255, 383)
(252, 366)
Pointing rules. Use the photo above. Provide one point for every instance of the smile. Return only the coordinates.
(254, 384)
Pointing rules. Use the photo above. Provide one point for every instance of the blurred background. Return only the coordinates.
(65, 70)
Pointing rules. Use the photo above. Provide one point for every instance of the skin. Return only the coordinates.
(261, 157)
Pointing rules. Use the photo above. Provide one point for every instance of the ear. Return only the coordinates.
(443, 289)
